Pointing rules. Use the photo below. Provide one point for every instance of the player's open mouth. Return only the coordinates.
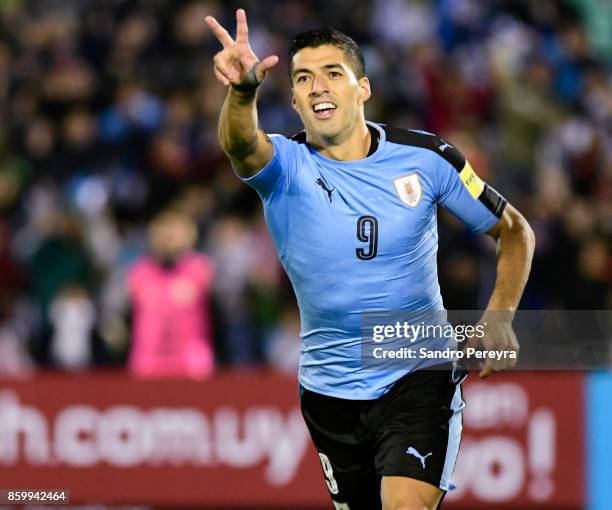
(324, 110)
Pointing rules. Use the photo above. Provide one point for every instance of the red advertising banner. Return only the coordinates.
(239, 440)
(523, 443)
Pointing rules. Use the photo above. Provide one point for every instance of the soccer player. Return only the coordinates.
(351, 206)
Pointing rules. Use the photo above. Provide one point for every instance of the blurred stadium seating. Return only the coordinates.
(108, 114)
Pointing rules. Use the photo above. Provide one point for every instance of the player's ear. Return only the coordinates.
(293, 103)
(364, 89)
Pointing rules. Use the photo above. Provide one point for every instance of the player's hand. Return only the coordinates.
(499, 336)
(236, 62)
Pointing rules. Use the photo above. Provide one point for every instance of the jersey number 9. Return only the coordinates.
(367, 232)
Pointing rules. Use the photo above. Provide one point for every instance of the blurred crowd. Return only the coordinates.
(113, 186)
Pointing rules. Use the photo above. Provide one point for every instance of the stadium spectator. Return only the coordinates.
(170, 299)
(72, 316)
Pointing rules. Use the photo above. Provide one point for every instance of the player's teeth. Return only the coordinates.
(324, 106)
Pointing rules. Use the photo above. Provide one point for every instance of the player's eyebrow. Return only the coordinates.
(333, 66)
(326, 66)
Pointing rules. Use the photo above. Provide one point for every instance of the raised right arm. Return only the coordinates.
(238, 68)
(247, 146)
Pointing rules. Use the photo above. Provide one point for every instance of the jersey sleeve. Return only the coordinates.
(463, 193)
(277, 174)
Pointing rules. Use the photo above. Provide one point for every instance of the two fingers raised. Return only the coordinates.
(236, 50)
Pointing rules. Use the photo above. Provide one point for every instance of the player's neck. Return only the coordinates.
(354, 147)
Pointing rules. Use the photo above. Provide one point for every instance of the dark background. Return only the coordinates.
(108, 115)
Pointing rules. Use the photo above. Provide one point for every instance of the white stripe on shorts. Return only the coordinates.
(455, 426)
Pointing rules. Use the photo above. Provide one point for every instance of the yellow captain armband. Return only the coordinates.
(471, 181)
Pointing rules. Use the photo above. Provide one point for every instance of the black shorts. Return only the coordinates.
(413, 430)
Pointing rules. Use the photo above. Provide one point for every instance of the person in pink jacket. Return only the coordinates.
(170, 296)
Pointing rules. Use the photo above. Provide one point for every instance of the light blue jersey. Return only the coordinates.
(362, 235)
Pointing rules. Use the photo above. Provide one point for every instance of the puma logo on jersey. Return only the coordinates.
(415, 453)
(444, 146)
(323, 184)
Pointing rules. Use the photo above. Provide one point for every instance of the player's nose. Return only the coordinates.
(319, 86)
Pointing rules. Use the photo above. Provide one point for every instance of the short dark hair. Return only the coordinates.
(331, 37)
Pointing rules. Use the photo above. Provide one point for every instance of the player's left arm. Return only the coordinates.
(515, 246)
(484, 210)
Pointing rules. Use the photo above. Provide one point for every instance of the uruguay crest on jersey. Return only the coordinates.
(409, 189)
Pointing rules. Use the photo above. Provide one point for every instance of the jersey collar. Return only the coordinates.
(377, 138)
